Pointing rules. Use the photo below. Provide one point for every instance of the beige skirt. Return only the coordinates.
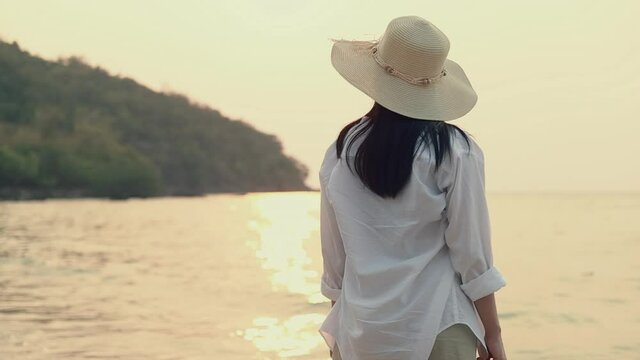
(457, 342)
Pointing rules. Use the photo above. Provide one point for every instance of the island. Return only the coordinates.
(69, 129)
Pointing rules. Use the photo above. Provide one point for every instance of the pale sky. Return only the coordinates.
(558, 81)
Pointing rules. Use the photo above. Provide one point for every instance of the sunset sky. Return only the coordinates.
(558, 81)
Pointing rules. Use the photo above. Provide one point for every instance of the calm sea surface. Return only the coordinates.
(237, 277)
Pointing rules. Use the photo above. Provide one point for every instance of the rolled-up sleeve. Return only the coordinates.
(468, 232)
(333, 254)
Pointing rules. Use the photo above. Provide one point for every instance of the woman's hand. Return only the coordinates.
(495, 347)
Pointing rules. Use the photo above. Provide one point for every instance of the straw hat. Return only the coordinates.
(407, 71)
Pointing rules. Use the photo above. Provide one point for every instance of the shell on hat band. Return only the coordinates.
(412, 80)
(372, 48)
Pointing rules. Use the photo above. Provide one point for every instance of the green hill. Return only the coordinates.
(70, 129)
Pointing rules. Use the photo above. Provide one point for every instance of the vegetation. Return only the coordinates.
(70, 129)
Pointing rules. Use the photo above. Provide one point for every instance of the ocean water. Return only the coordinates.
(237, 277)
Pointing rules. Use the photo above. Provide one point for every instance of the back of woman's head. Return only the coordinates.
(384, 158)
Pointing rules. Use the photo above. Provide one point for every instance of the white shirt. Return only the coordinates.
(401, 270)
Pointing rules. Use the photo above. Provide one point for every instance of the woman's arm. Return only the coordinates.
(468, 231)
(486, 307)
(333, 254)
(468, 237)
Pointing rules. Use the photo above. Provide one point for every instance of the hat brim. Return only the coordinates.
(447, 98)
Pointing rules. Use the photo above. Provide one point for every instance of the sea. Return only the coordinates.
(231, 276)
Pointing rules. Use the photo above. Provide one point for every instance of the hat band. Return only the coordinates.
(410, 79)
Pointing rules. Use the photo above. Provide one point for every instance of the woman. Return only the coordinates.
(405, 229)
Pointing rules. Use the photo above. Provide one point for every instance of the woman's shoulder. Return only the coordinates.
(331, 152)
(329, 161)
(460, 146)
(465, 145)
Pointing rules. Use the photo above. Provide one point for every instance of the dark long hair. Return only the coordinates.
(384, 159)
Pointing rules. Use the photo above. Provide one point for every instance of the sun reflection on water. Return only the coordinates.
(287, 338)
(284, 225)
(283, 228)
